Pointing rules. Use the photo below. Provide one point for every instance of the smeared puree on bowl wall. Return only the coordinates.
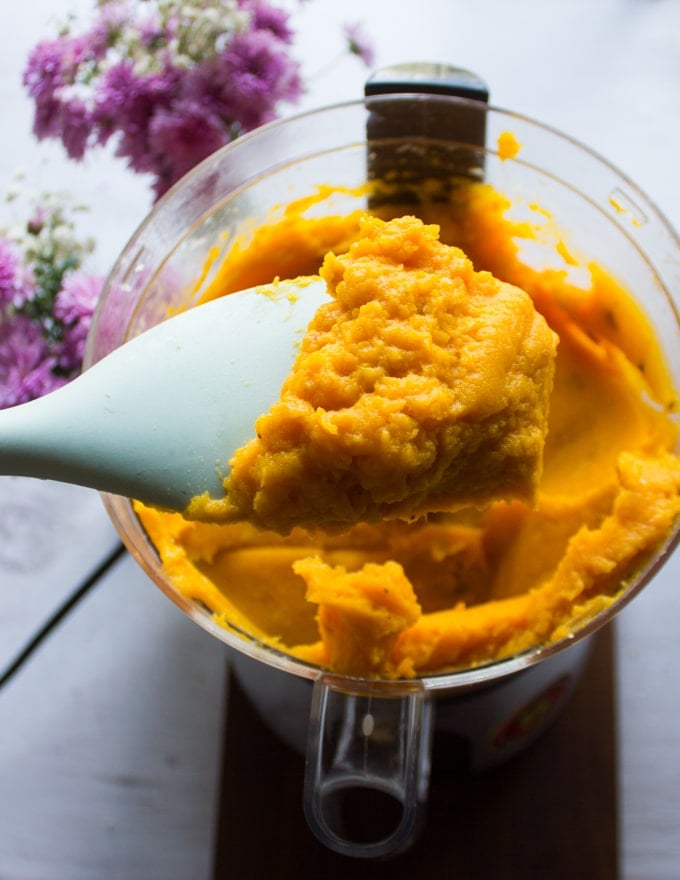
(474, 582)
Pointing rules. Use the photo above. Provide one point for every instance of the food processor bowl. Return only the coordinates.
(167, 266)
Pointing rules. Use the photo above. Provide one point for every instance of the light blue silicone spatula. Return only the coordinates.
(159, 418)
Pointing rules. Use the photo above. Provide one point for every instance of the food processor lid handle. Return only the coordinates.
(413, 135)
(427, 77)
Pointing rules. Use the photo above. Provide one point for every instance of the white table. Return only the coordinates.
(110, 733)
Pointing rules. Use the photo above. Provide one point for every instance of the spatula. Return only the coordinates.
(159, 418)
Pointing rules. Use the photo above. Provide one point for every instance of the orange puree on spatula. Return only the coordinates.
(422, 386)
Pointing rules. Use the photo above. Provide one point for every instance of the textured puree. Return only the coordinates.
(454, 589)
(421, 386)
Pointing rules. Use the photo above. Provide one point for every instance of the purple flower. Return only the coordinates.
(16, 280)
(270, 18)
(9, 265)
(47, 118)
(52, 67)
(76, 300)
(125, 104)
(26, 365)
(181, 137)
(115, 96)
(45, 70)
(76, 125)
(38, 220)
(74, 306)
(254, 75)
(359, 43)
(125, 99)
(44, 75)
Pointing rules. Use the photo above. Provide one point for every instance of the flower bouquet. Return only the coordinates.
(171, 82)
(46, 300)
(166, 83)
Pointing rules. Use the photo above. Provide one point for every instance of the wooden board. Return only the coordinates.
(549, 812)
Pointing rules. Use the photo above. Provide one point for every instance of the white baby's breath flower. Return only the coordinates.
(203, 31)
(78, 91)
(15, 233)
(60, 235)
(47, 229)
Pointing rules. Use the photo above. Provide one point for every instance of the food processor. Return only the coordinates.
(416, 122)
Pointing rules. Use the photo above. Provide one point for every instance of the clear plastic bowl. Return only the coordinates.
(606, 216)
(607, 219)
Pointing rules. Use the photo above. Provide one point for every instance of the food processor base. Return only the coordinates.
(550, 811)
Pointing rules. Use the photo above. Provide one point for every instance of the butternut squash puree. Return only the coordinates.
(456, 589)
(508, 145)
(421, 386)
(361, 613)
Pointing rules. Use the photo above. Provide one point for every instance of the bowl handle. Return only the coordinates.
(368, 765)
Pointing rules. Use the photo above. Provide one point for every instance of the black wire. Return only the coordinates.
(67, 606)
